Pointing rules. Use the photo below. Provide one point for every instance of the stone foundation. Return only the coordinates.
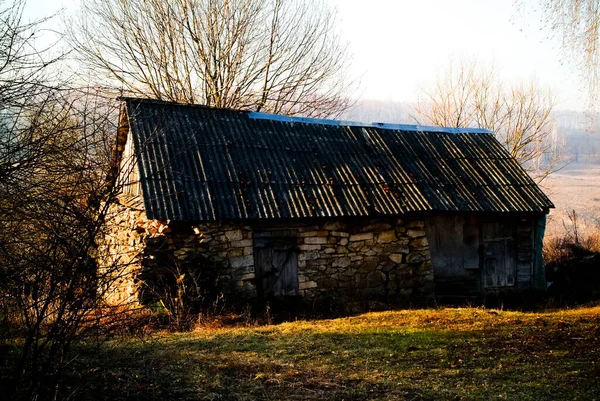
(379, 258)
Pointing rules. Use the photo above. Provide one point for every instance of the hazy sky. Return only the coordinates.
(400, 46)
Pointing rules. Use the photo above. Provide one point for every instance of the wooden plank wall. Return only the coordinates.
(129, 177)
(525, 253)
(456, 251)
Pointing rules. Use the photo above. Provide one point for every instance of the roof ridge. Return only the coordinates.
(258, 115)
(345, 123)
(175, 103)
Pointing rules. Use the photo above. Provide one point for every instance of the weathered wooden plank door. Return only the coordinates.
(499, 262)
(276, 266)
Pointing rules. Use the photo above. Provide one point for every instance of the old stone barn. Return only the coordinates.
(285, 206)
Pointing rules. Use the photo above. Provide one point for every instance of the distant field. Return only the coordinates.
(576, 187)
(427, 354)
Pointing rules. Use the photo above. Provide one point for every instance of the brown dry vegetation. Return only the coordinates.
(440, 354)
(573, 265)
(572, 243)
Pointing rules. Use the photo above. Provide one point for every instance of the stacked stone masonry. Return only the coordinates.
(376, 258)
(367, 257)
(120, 247)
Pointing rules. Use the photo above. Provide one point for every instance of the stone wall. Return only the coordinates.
(120, 247)
(131, 244)
(383, 258)
(374, 258)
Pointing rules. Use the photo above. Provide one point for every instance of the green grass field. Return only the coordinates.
(435, 354)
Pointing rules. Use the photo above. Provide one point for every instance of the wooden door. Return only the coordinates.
(276, 265)
(499, 263)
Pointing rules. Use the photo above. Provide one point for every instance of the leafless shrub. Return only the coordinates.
(54, 158)
(573, 263)
(50, 204)
(185, 292)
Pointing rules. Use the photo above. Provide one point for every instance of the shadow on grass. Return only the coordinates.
(521, 363)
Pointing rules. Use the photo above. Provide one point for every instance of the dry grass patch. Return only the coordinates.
(443, 354)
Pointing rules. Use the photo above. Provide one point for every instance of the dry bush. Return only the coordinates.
(573, 264)
(55, 153)
(181, 294)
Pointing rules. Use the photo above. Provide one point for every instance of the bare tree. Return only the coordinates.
(469, 95)
(279, 56)
(577, 24)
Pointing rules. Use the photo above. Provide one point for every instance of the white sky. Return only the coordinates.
(400, 46)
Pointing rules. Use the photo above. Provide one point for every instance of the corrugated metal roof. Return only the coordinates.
(203, 164)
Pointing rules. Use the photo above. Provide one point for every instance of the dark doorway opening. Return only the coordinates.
(276, 264)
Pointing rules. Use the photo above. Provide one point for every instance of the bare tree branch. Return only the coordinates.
(576, 23)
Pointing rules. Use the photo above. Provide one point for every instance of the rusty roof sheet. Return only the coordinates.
(203, 164)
